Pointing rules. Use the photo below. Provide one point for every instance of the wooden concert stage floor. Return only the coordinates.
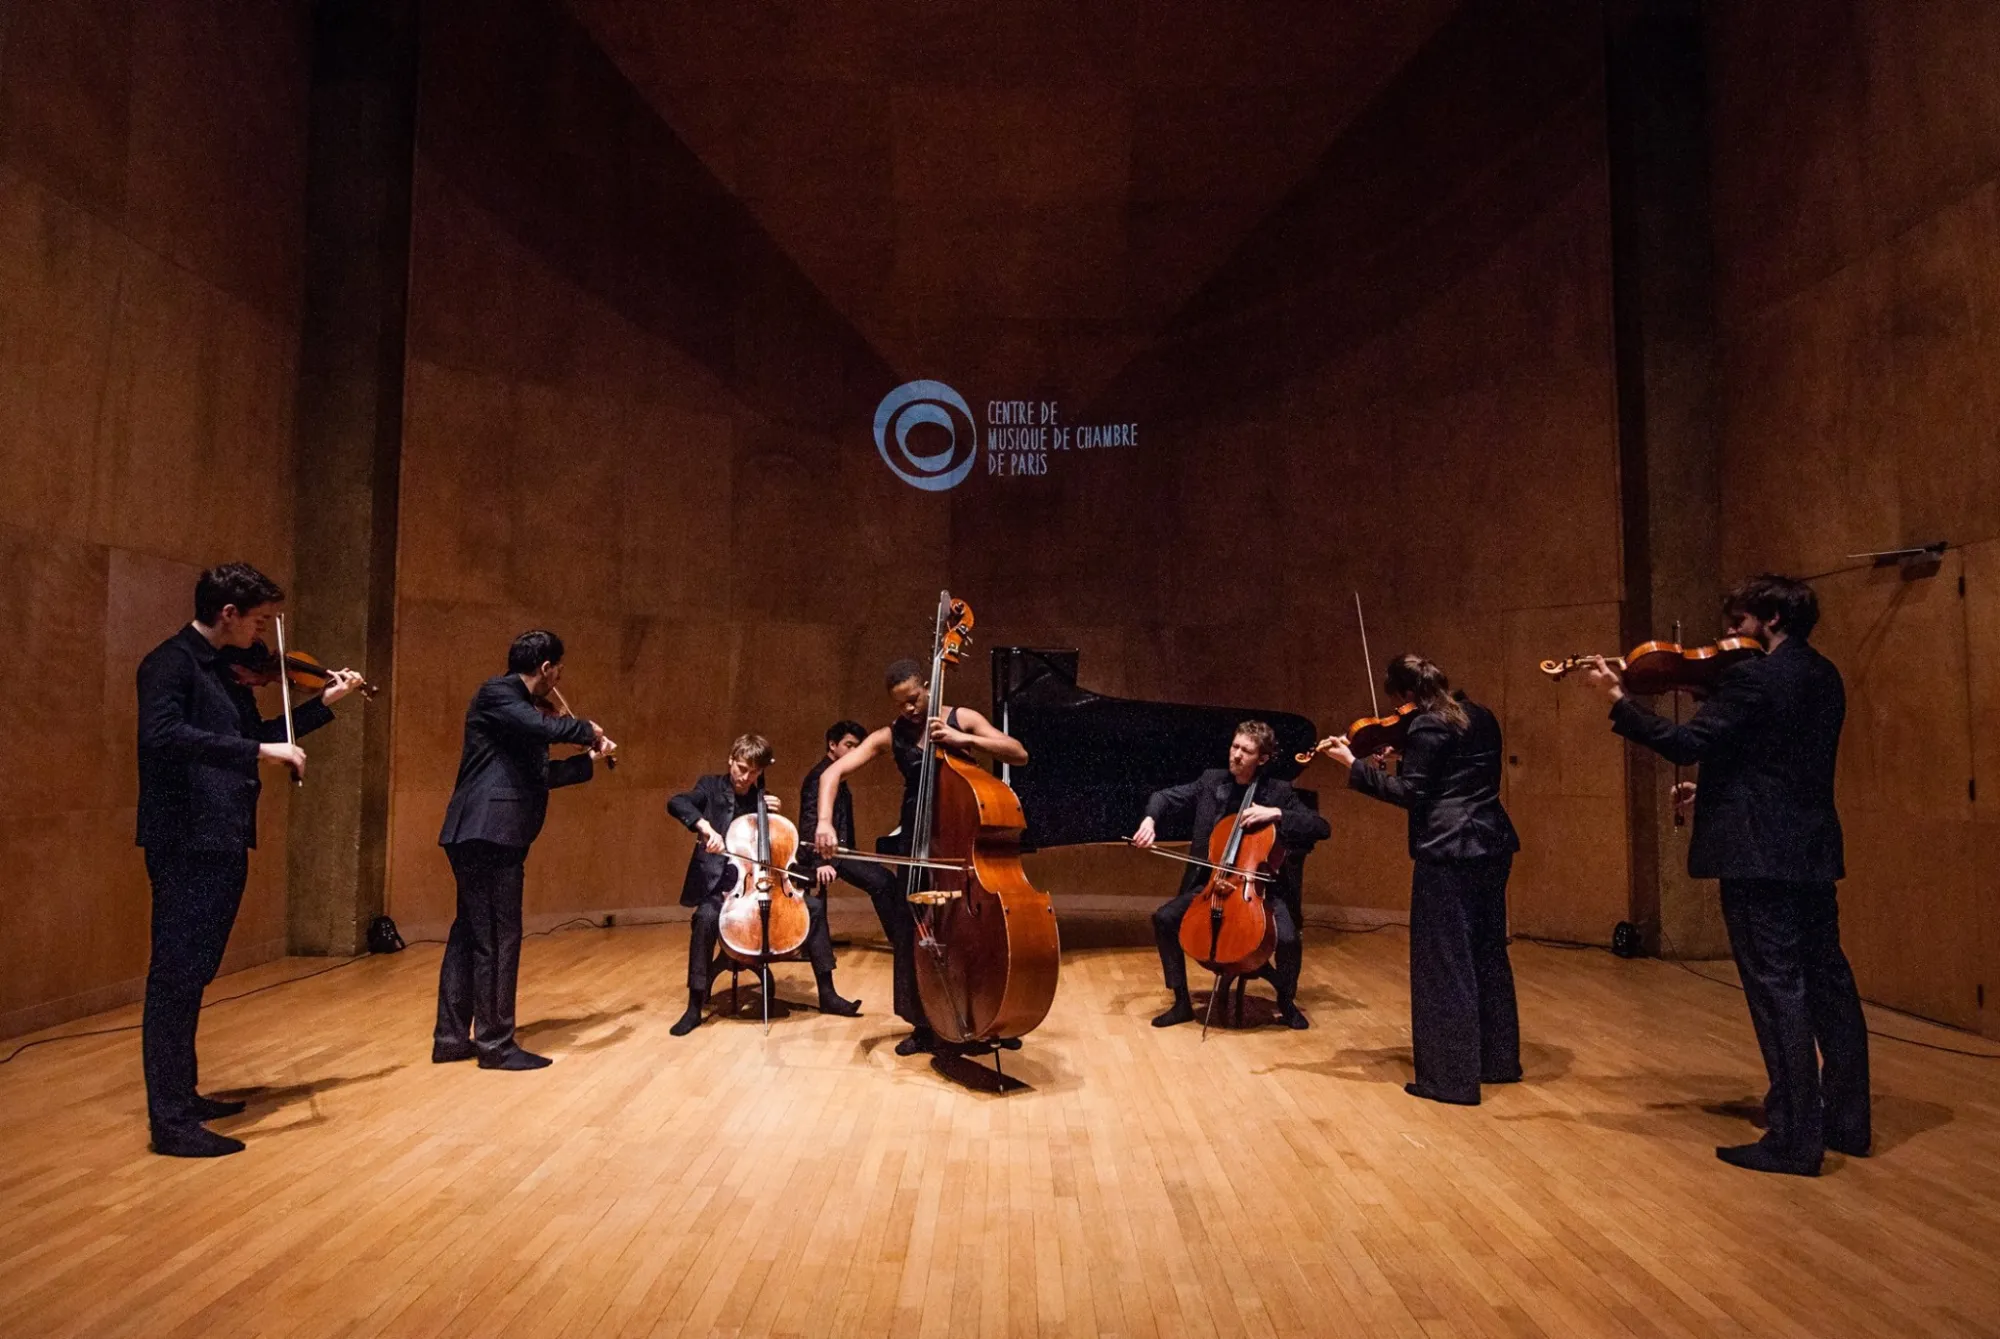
(810, 1183)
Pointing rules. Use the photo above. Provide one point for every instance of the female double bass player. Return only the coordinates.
(983, 944)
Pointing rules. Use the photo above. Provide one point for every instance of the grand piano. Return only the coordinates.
(1095, 759)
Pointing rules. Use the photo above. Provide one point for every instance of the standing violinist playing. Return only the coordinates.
(201, 738)
(1765, 825)
(707, 809)
(961, 731)
(497, 808)
(1464, 1026)
(1214, 797)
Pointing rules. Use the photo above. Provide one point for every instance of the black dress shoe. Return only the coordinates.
(1182, 1012)
(515, 1059)
(210, 1108)
(191, 1141)
(1760, 1157)
(1292, 1018)
(450, 1052)
(919, 1041)
(1430, 1094)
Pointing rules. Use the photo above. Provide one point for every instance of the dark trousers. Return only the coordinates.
(1464, 1027)
(705, 934)
(1286, 959)
(482, 958)
(195, 897)
(1805, 1009)
(886, 890)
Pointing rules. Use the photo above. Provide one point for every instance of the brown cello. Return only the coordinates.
(764, 917)
(1227, 927)
(987, 953)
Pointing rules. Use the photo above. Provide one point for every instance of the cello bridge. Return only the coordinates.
(936, 897)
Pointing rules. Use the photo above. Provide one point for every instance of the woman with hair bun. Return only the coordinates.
(1463, 1024)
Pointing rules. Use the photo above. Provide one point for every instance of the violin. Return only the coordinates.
(1665, 667)
(1367, 736)
(1227, 927)
(552, 704)
(987, 955)
(256, 666)
(765, 915)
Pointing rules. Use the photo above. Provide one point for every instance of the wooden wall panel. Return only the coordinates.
(1857, 217)
(150, 239)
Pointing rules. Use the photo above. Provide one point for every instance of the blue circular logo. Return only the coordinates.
(920, 402)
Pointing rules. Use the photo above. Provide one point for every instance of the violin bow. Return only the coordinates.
(1367, 660)
(285, 693)
(610, 763)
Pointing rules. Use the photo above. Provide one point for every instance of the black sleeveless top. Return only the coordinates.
(906, 741)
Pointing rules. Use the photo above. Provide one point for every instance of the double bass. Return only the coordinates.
(764, 916)
(987, 953)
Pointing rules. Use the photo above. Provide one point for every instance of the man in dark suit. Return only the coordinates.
(707, 809)
(1213, 798)
(884, 889)
(496, 811)
(201, 738)
(1765, 825)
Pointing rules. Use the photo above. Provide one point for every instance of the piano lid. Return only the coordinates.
(1096, 759)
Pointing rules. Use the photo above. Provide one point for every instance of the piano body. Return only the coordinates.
(1095, 759)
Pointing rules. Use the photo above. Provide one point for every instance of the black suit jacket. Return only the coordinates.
(199, 732)
(1449, 780)
(712, 798)
(504, 772)
(808, 820)
(1765, 740)
(1207, 799)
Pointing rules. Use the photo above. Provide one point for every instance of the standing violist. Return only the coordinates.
(1765, 825)
(1464, 1027)
(497, 808)
(201, 738)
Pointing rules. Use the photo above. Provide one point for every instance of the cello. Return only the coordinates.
(1227, 927)
(764, 917)
(987, 953)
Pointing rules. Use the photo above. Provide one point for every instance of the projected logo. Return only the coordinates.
(947, 436)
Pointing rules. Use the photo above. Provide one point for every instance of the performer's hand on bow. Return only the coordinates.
(1146, 835)
(711, 840)
(291, 755)
(825, 840)
(1683, 797)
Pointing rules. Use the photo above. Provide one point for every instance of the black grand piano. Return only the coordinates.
(1094, 759)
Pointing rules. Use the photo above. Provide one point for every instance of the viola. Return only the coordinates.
(1368, 736)
(765, 915)
(1666, 667)
(552, 704)
(987, 954)
(256, 666)
(1227, 927)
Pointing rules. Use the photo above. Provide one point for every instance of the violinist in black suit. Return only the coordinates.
(707, 809)
(1765, 825)
(1212, 798)
(201, 738)
(1464, 1026)
(496, 812)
